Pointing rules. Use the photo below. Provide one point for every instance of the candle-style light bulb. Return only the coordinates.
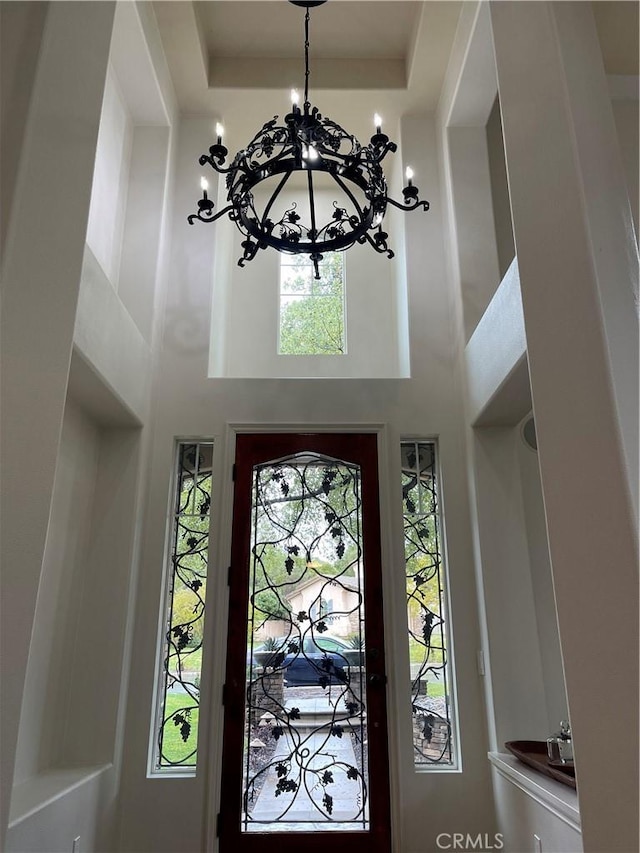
(204, 186)
(409, 176)
(378, 123)
(295, 97)
(219, 132)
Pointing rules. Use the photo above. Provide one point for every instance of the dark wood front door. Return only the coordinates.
(305, 758)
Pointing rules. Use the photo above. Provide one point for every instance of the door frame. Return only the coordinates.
(216, 636)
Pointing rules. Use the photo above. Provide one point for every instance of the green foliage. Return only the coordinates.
(417, 651)
(313, 323)
(187, 610)
(316, 503)
(181, 715)
(271, 606)
(270, 571)
(435, 689)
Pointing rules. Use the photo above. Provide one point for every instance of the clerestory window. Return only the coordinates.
(312, 315)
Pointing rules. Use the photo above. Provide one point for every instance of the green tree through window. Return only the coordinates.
(312, 310)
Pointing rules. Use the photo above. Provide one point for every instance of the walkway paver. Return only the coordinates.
(312, 744)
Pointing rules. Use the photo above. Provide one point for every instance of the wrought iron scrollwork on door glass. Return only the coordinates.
(431, 695)
(305, 755)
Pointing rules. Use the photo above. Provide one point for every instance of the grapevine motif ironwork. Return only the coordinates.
(432, 738)
(307, 142)
(185, 617)
(306, 534)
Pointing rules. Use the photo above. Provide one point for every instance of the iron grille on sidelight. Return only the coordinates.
(431, 682)
(176, 730)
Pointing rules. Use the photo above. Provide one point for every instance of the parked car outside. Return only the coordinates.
(320, 662)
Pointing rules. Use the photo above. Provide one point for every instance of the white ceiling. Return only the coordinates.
(398, 46)
(394, 53)
(341, 29)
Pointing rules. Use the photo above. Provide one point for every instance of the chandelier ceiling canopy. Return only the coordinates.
(330, 162)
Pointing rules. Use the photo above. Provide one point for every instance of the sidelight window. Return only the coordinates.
(175, 734)
(434, 732)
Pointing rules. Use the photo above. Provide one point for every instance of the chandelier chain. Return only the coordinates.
(306, 60)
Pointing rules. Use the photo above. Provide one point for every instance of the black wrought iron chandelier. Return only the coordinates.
(311, 145)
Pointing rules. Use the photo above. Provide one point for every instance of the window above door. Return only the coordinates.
(272, 320)
(312, 316)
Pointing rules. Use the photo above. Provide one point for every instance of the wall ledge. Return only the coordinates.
(495, 357)
(107, 338)
(40, 791)
(557, 798)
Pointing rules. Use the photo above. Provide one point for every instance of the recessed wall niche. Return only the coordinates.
(527, 678)
(130, 171)
(72, 688)
(501, 203)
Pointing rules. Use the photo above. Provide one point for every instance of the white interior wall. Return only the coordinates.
(542, 583)
(117, 318)
(71, 720)
(60, 599)
(499, 191)
(607, 216)
(127, 199)
(21, 29)
(495, 358)
(508, 528)
(625, 114)
(72, 682)
(477, 251)
(110, 341)
(580, 319)
(63, 806)
(40, 291)
(94, 721)
(516, 665)
(145, 199)
(110, 180)
(468, 94)
(67, 778)
(513, 549)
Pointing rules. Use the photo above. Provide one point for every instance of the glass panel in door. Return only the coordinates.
(305, 750)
